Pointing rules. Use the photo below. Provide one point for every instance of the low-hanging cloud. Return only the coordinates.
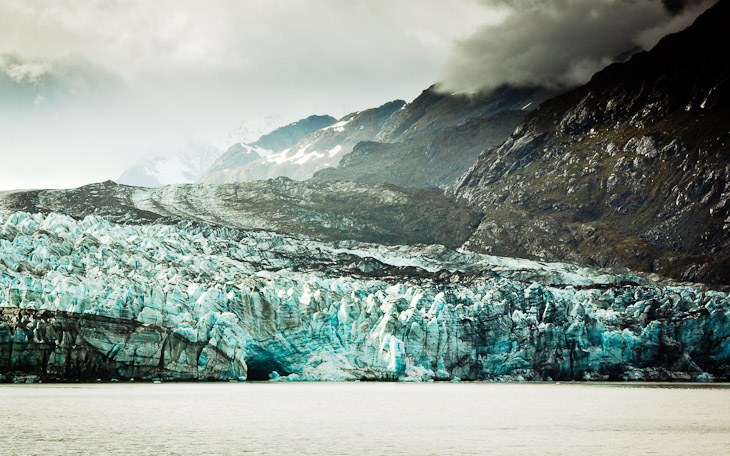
(560, 43)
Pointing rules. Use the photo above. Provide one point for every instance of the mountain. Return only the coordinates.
(320, 149)
(434, 140)
(287, 136)
(241, 154)
(334, 211)
(189, 163)
(430, 142)
(434, 111)
(436, 158)
(236, 156)
(252, 129)
(93, 299)
(631, 169)
(184, 166)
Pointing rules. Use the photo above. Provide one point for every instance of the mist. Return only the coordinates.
(560, 43)
(86, 90)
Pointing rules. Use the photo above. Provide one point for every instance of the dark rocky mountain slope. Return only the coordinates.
(631, 169)
(433, 110)
(288, 135)
(436, 158)
(434, 140)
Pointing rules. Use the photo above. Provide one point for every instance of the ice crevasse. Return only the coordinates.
(94, 299)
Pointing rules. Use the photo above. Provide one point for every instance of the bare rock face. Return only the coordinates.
(435, 139)
(288, 135)
(84, 299)
(434, 158)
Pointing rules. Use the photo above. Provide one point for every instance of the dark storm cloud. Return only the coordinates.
(560, 42)
(675, 7)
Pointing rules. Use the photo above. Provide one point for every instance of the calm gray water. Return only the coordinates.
(363, 418)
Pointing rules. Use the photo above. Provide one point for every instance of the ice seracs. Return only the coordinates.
(92, 298)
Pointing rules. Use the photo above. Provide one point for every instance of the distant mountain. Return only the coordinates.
(241, 154)
(252, 129)
(235, 156)
(430, 142)
(320, 149)
(631, 169)
(188, 164)
(183, 167)
(434, 140)
(287, 136)
(434, 159)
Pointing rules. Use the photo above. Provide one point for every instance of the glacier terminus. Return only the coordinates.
(89, 298)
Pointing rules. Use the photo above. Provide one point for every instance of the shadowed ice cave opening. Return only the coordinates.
(261, 365)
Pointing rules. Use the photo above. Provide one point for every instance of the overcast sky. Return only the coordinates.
(87, 87)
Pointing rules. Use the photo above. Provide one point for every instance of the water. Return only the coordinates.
(363, 418)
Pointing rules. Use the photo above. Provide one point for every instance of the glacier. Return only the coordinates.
(89, 298)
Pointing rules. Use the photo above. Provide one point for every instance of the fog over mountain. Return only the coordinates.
(86, 90)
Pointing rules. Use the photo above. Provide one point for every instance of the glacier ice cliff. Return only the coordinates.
(89, 298)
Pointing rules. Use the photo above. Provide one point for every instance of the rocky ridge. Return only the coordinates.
(434, 139)
(437, 158)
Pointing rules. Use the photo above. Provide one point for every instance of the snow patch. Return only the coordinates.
(335, 150)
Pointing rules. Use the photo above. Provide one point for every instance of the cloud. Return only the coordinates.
(23, 73)
(559, 43)
(27, 82)
(153, 42)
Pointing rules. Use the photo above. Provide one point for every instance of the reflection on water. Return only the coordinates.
(364, 418)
